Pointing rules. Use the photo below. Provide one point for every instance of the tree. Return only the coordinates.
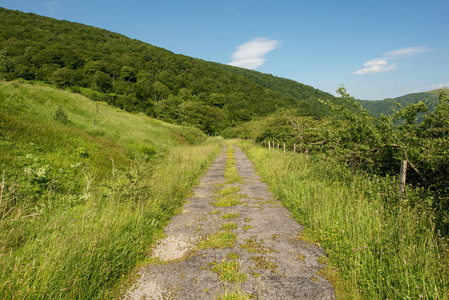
(102, 82)
(209, 119)
(128, 74)
(63, 77)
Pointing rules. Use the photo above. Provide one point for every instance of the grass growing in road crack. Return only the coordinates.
(229, 190)
(229, 271)
(229, 226)
(231, 174)
(252, 246)
(230, 216)
(220, 240)
(261, 262)
(227, 201)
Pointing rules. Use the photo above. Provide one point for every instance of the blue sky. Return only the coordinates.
(377, 49)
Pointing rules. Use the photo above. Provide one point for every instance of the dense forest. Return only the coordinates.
(388, 106)
(139, 77)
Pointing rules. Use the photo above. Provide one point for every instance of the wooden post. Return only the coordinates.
(269, 146)
(353, 164)
(3, 186)
(294, 148)
(307, 153)
(278, 146)
(284, 148)
(402, 176)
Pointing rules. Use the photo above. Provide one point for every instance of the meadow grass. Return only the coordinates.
(378, 245)
(83, 199)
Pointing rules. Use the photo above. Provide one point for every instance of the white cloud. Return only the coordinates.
(406, 51)
(376, 65)
(250, 55)
(379, 65)
(52, 5)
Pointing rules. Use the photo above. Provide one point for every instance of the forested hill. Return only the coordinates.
(137, 76)
(386, 106)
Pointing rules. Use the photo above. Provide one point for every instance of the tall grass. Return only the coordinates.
(83, 199)
(380, 245)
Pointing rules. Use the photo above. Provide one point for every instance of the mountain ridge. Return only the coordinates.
(386, 106)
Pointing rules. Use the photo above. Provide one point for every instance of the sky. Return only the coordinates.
(376, 49)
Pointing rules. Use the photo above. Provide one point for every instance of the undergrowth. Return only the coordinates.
(86, 186)
(380, 245)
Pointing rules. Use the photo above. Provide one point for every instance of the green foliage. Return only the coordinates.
(415, 133)
(139, 77)
(60, 116)
(387, 106)
(382, 245)
(209, 119)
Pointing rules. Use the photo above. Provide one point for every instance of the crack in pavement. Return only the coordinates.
(276, 264)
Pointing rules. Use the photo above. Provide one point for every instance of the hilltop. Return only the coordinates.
(386, 106)
(140, 77)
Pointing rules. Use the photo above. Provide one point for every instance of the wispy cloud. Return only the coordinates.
(53, 6)
(379, 65)
(407, 51)
(439, 86)
(250, 55)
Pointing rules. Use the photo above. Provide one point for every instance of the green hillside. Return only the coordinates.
(81, 195)
(136, 76)
(386, 106)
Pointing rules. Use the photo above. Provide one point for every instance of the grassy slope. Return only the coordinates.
(379, 247)
(82, 201)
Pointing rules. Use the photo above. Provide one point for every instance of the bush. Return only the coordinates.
(60, 116)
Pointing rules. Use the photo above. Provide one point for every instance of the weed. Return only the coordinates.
(229, 191)
(229, 226)
(246, 227)
(227, 201)
(229, 271)
(221, 240)
(230, 216)
(252, 246)
(233, 255)
(261, 263)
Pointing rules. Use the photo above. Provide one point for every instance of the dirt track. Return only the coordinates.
(275, 264)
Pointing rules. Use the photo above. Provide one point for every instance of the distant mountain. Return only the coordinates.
(386, 106)
(139, 77)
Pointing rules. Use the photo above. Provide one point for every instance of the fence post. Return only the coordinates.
(307, 153)
(278, 146)
(402, 176)
(284, 148)
(353, 164)
(294, 148)
(269, 146)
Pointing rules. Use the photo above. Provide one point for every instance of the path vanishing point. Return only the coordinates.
(251, 248)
